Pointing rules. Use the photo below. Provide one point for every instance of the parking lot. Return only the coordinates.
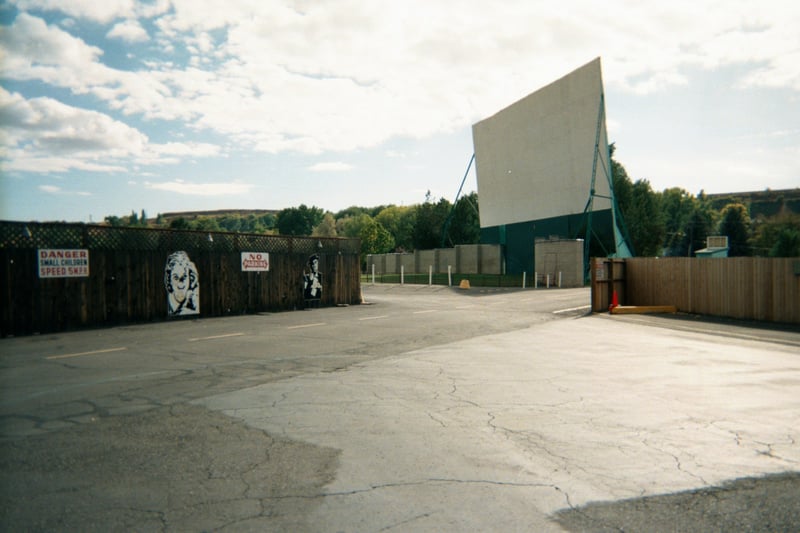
(428, 408)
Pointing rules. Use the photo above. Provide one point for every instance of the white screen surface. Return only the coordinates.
(534, 158)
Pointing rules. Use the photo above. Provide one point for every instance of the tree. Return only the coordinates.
(429, 222)
(623, 193)
(375, 239)
(640, 209)
(350, 226)
(464, 225)
(678, 207)
(179, 223)
(645, 220)
(326, 228)
(298, 220)
(688, 219)
(778, 236)
(399, 221)
(787, 243)
(696, 230)
(622, 182)
(735, 223)
(352, 211)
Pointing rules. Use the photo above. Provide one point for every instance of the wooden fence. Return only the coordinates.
(751, 288)
(126, 281)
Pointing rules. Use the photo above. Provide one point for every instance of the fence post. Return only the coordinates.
(430, 275)
(449, 276)
(524, 274)
(548, 281)
(373, 273)
(402, 274)
(535, 280)
(559, 279)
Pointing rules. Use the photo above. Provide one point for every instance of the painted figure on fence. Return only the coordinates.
(182, 284)
(312, 280)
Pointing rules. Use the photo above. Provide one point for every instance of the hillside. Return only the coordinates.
(766, 203)
(191, 215)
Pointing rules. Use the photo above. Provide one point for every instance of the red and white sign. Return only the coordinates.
(63, 263)
(255, 262)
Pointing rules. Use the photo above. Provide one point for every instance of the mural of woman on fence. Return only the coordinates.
(312, 280)
(182, 284)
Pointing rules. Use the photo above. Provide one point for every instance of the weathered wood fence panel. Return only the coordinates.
(126, 281)
(752, 288)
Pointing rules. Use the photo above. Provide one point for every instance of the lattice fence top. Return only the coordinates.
(25, 235)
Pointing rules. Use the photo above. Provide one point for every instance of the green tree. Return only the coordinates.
(787, 243)
(113, 220)
(465, 224)
(230, 222)
(375, 239)
(352, 211)
(399, 221)
(429, 222)
(180, 223)
(326, 228)
(298, 220)
(206, 223)
(640, 209)
(697, 230)
(735, 223)
(688, 219)
(778, 236)
(623, 193)
(677, 206)
(645, 220)
(350, 226)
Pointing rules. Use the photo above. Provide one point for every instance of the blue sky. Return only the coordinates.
(170, 105)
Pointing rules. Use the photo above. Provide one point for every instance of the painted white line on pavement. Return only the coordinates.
(424, 312)
(581, 308)
(374, 317)
(306, 325)
(95, 352)
(215, 337)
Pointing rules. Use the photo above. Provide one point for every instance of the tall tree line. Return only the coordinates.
(672, 222)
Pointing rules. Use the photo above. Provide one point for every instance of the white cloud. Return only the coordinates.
(129, 30)
(50, 189)
(320, 77)
(333, 166)
(201, 189)
(104, 11)
(45, 135)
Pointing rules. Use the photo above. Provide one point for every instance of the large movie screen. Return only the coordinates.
(534, 158)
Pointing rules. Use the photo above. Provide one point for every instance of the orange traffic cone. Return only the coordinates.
(614, 301)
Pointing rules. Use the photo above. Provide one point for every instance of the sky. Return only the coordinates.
(175, 105)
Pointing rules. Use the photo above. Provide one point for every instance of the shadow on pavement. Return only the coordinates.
(756, 504)
(178, 468)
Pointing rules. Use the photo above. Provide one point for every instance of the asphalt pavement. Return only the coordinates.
(427, 409)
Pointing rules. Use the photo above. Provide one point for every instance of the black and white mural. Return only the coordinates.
(312, 279)
(182, 284)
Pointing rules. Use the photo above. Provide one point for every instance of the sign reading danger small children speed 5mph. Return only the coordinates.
(255, 262)
(59, 263)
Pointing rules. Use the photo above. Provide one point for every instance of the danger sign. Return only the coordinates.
(62, 263)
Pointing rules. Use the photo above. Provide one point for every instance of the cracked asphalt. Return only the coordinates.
(431, 409)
